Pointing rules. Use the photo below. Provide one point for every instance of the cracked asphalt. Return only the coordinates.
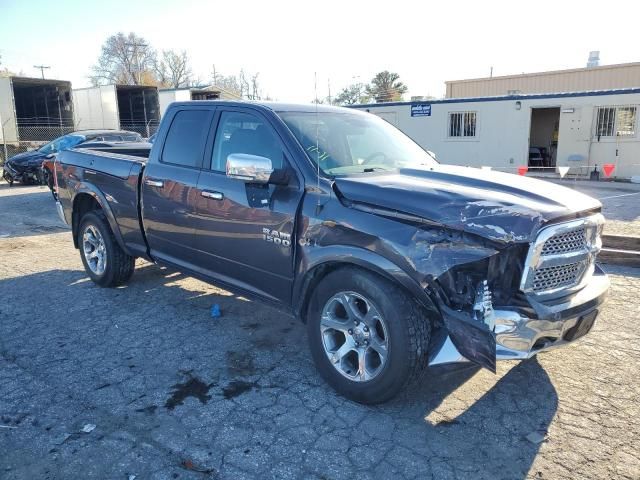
(176, 394)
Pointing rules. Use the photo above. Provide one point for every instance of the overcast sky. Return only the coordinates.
(287, 41)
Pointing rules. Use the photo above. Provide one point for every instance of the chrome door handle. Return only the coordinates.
(214, 195)
(154, 183)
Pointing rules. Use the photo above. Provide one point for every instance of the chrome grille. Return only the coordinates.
(562, 258)
(572, 241)
(550, 278)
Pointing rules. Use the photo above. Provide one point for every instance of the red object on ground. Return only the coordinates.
(522, 170)
(608, 169)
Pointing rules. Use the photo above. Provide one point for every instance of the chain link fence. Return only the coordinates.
(34, 133)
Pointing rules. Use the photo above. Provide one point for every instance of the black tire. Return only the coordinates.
(408, 333)
(118, 266)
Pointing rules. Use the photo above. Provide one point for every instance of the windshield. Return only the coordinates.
(351, 143)
(62, 143)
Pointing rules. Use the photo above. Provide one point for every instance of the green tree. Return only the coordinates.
(386, 87)
(352, 94)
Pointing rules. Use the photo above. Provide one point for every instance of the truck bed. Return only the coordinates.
(116, 177)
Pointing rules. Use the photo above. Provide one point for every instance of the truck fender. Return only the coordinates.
(316, 262)
(98, 196)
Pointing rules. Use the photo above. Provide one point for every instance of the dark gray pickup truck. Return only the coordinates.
(394, 261)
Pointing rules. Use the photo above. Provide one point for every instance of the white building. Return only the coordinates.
(578, 130)
(211, 92)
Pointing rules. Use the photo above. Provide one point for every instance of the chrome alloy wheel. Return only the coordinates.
(95, 252)
(354, 336)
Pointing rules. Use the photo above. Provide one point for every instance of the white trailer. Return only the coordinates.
(577, 131)
(211, 92)
(34, 110)
(119, 107)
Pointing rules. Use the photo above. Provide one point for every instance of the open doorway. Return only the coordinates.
(543, 137)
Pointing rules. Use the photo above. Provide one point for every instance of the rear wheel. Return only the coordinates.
(368, 338)
(104, 261)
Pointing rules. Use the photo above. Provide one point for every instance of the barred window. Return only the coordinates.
(462, 124)
(616, 122)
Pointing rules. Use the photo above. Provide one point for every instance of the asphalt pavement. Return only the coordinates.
(141, 382)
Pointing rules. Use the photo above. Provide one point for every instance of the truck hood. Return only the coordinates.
(495, 205)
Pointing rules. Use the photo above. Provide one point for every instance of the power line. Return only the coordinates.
(41, 67)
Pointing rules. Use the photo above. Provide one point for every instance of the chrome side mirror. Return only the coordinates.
(250, 168)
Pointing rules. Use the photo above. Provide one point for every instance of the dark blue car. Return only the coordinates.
(26, 167)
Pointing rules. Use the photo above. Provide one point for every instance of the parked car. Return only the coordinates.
(27, 167)
(394, 261)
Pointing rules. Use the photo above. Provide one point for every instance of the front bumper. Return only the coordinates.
(518, 335)
(11, 169)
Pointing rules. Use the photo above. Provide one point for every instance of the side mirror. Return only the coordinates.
(250, 168)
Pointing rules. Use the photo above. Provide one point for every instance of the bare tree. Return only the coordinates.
(125, 59)
(244, 84)
(172, 69)
(4, 71)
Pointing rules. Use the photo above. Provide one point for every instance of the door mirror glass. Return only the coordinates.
(250, 168)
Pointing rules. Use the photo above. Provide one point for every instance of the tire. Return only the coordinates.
(395, 350)
(117, 266)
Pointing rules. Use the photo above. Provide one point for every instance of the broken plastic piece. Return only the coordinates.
(88, 428)
(215, 311)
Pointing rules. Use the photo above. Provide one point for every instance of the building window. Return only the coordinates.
(616, 122)
(462, 124)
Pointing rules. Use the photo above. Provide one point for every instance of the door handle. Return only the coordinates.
(154, 183)
(214, 195)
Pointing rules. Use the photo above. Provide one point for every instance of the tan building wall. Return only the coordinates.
(607, 77)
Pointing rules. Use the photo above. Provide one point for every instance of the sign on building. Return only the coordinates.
(421, 110)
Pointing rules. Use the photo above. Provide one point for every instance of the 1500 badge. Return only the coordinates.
(274, 236)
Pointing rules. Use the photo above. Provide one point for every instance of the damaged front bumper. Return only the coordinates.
(519, 334)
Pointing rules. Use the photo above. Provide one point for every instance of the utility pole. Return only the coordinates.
(329, 87)
(136, 52)
(41, 67)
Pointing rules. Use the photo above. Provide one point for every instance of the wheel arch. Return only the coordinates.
(86, 199)
(315, 269)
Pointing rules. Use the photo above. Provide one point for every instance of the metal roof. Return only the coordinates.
(530, 96)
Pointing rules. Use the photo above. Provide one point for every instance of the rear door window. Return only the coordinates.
(187, 138)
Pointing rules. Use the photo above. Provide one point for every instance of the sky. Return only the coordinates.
(341, 42)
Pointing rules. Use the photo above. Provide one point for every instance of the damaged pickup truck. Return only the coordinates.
(394, 261)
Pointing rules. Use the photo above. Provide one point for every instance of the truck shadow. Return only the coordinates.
(458, 416)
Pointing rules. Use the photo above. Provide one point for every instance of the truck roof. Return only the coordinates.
(275, 106)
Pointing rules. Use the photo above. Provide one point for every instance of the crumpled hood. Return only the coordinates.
(27, 157)
(495, 205)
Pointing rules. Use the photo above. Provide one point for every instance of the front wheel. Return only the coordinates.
(104, 261)
(368, 338)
